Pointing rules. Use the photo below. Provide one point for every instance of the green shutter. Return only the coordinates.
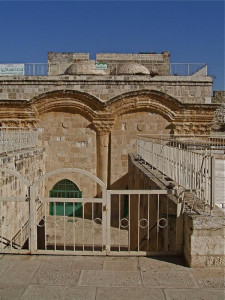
(65, 189)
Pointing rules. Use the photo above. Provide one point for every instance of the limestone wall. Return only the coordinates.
(123, 141)
(15, 215)
(186, 89)
(69, 143)
(218, 97)
(204, 239)
(157, 64)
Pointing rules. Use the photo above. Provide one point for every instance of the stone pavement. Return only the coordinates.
(72, 277)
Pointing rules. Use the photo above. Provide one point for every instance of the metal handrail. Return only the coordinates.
(191, 164)
(174, 69)
(15, 138)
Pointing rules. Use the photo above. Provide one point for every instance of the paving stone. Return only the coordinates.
(36, 292)
(8, 292)
(48, 257)
(159, 264)
(71, 258)
(20, 272)
(121, 258)
(87, 264)
(129, 293)
(168, 279)
(56, 273)
(210, 278)
(109, 278)
(55, 266)
(1, 256)
(14, 257)
(3, 266)
(125, 265)
(194, 294)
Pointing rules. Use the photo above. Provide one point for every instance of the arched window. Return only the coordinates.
(65, 189)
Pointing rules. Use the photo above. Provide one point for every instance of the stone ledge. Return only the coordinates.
(201, 261)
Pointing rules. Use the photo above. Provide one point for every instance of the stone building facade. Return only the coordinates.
(89, 117)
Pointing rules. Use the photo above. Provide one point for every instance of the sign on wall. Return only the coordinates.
(101, 66)
(11, 69)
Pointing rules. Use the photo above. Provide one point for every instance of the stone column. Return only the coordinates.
(103, 129)
(103, 156)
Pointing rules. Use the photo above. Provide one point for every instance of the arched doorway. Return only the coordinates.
(65, 188)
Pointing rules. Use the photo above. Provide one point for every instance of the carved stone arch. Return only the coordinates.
(145, 100)
(67, 100)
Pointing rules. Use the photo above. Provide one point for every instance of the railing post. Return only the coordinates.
(108, 219)
(212, 198)
(33, 219)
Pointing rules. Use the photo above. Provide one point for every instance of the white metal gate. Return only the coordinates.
(119, 222)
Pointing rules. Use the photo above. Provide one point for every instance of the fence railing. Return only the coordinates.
(189, 161)
(123, 222)
(36, 69)
(141, 222)
(184, 69)
(13, 138)
(173, 69)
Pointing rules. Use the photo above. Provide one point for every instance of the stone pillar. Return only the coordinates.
(103, 156)
(103, 128)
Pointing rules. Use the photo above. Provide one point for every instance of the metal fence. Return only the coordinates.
(187, 69)
(72, 230)
(141, 222)
(174, 69)
(15, 138)
(187, 160)
(36, 69)
(122, 222)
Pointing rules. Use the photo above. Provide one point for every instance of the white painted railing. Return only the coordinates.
(13, 138)
(187, 69)
(122, 222)
(189, 161)
(174, 69)
(36, 69)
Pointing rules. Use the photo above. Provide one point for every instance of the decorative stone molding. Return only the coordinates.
(191, 128)
(103, 127)
(145, 100)
(28, 123)
(18, 123)
(76, 101)
(103, 114)
(219, 119)
(10, 123)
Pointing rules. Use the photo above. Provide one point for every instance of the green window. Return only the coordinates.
(65, 189)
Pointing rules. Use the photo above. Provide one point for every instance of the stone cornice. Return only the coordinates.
(61, 79)
(184, 128)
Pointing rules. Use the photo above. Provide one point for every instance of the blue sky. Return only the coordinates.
(192, 31)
